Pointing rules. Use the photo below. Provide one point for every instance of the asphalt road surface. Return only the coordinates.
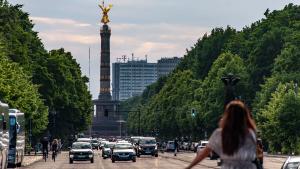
(164, 161)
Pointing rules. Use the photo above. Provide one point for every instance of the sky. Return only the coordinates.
(156, 28)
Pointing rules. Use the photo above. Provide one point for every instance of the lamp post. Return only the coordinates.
(120, 127)
(30, 131)
(229, 81)
(53, 113)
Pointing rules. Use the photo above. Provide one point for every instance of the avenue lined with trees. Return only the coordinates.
(264, 55)
(48, 86)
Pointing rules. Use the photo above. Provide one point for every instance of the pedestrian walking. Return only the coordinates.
(54, 147)
(234, 141)
(175, 147)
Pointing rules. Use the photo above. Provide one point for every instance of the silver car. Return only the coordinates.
(291, 163)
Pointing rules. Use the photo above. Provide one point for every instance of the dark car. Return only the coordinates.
(81, 151)
(147, 146)
(95, 144)
(123, 152)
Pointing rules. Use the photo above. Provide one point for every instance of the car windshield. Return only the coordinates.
(150, 141)
(81, 146)
(109, 145)
(135, 140)
(94, 141)
(84, 140)
(203, 144)
(292, 165)
(123, 146)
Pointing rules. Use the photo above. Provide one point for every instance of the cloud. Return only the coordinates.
(58, 21)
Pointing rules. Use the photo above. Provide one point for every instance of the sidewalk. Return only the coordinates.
(30, 159)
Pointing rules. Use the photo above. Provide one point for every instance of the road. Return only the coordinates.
(164, 161)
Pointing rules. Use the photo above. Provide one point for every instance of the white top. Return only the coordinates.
(242, 159)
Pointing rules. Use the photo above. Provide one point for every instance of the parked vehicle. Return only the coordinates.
(170, 146)
(81, 151)
(147, 146)
(107, 149)
(212, 155)
(4, 137)
(123, 152)
(16, 149)
(185, 146)
(291, 163)
(202, 145)
(194, 146)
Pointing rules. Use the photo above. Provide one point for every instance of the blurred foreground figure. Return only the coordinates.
(234, 141)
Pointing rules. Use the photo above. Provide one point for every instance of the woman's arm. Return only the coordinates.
(200, 156)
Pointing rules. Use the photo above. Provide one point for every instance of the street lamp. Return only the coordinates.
(120, 127)
(229, 81)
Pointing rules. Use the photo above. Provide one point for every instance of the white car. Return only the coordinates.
(106, 150)
(291, 163)
(81, 151)
(170, 146)
(201, 145)
(87, 140)
(123, 152)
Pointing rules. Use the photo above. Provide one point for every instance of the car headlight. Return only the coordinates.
(90, 155)
(155, 147)
(140, 148)
(71, 156)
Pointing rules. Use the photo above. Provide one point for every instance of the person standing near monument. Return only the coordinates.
(234, 141)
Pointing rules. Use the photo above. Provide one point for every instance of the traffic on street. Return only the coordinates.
(149, 84)
(164, 161)
(122, 154)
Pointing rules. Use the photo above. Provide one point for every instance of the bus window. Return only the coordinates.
(12, 121)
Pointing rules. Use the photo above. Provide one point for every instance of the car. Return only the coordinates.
(88, 140)
(212, 155)
(95, 144)
(81, 151)
(185, 146)
(201, 145)
(102, 143)
(170, 146)
(194, 146)
(147, 146)
(106, 150)
(123, 152)
(292, 162)
(134, 141)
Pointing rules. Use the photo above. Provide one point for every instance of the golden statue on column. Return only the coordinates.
(105, 10)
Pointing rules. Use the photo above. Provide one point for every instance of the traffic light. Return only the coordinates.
(193, 113)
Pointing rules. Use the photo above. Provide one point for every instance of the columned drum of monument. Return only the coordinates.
(105, 121)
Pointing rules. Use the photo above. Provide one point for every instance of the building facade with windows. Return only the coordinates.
(131, 78)
(166, 66)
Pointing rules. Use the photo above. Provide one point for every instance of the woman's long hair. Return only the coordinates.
(235, 125)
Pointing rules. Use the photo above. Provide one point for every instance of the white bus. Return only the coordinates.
(16, 138)
(4, 138)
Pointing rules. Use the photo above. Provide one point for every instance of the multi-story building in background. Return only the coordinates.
(131, 78)
(166, 66)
